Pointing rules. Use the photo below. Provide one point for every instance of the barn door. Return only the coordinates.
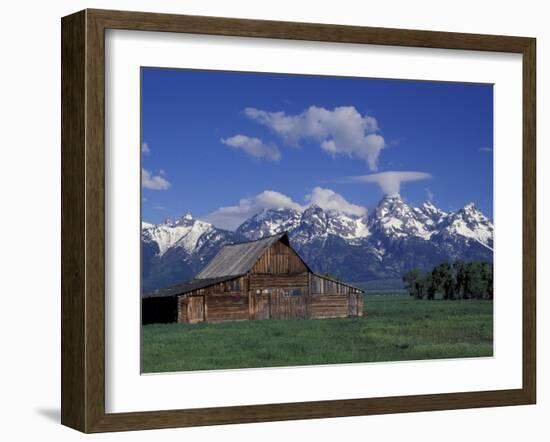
(288, 303)
(263, 305)
(355, 304)
(195, 309)
(352, 304)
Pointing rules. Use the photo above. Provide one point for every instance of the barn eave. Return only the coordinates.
(338, 282)
(189, 286)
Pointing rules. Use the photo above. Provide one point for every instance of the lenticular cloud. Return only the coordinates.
(390, 182)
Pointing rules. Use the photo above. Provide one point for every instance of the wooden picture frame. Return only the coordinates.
(83, 220)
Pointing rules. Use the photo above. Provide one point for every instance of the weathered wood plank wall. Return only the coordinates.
(279, 259)
(360, 303)
(262, 306)
(288, 304)
(329, 305)
(182, 308)
(195, 309)
(227, 307)
(259, 282)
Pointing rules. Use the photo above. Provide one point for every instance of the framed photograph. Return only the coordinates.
(268, 221)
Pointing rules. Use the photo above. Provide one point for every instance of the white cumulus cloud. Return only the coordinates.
(153, 182)
(253, 146)
(231, 217)
(341, 131)
(145, 148)
(390, 182)
(328, 199)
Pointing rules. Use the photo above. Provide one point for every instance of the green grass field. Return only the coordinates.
(394, 328)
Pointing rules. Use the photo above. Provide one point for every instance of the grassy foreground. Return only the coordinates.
(394, 328)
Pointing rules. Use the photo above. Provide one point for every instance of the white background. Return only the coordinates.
(29, 182)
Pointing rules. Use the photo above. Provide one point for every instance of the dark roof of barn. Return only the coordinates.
(186, 287)
(237, 259)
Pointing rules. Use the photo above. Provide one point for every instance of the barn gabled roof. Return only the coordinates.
(186, 287)
(237, 259)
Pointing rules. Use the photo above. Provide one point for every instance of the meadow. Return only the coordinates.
(395, 327)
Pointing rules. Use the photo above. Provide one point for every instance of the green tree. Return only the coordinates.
(475, 287)
(461, 280)
(487, 278)
(444, 280)
(415, 283)
(460, 270)
(431, 287)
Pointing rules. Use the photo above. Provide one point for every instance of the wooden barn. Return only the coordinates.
(262, 279)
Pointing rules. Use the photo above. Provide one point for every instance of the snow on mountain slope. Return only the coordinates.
(429, 215)
(348, 227)
(269, 222)
(469, 223)
(317, 223)
(395, 219)
(392, 219)
(312, 224)
(183, 232)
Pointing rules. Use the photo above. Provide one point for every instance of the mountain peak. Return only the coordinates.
(269, 221)
(393, 218)
(392, 197)
(185, 220)
(468, 222)
(391, 203)
(429, 209)
(391, 200)
(314, 208)
(428, 205)
(470, 211)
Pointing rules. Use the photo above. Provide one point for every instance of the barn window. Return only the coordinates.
(317, 284)
(232, 286)
(290, 293)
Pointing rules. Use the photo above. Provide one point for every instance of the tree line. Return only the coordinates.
(458, 280)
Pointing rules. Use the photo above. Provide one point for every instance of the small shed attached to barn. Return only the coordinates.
(262, 279)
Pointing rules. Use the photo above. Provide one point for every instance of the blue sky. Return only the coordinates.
(223, 145)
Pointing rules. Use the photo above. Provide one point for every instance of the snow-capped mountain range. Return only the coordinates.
(392, 239)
